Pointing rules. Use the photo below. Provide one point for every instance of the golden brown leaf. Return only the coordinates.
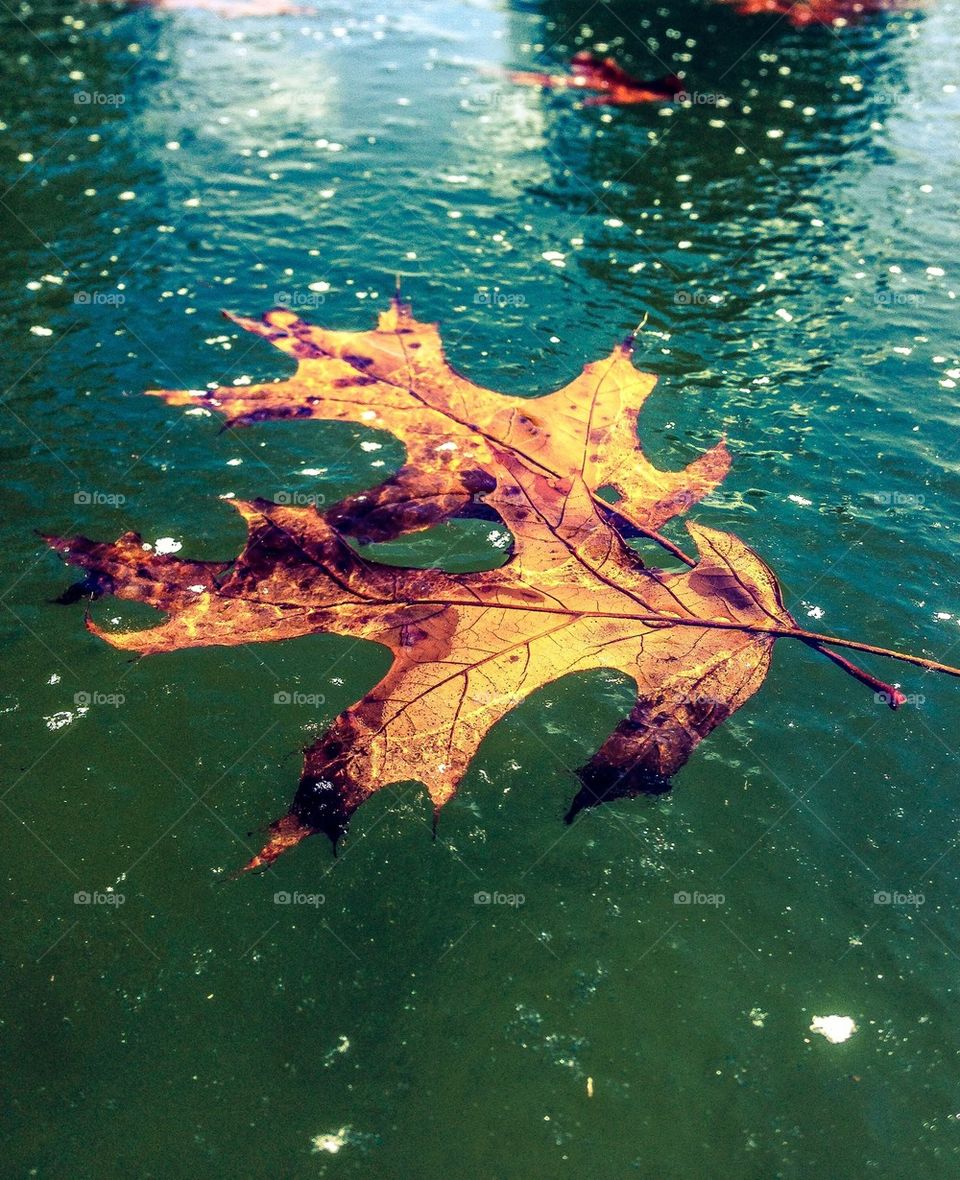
(571, 597)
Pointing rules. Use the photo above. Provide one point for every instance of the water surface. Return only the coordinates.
(791, 237)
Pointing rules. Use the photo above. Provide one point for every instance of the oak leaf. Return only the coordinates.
(802, 13)
(571, 597)
(616, 87)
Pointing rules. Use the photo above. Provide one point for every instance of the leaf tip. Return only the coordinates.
(603, 782)
(284, 834)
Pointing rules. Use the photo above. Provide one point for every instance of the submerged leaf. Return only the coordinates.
(801, 13)
(571, 597)
(616, 86)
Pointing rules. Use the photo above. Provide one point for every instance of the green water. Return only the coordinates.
(792, 238)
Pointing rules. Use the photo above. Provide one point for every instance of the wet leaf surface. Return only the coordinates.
(572, 596)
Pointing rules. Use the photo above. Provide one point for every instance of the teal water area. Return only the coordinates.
(791, 236)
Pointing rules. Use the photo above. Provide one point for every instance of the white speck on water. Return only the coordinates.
(936, 272)
(313, 471)
(65, 717)
(784, 315)
(234, 462)
(815, 612)
(332, 1141)
(54, 678)
(757, 1017)
(38, 330)
(372, 446)
(318, 286)
(342, 1046)
(836, 1029)
(167, 545)
(800, 500)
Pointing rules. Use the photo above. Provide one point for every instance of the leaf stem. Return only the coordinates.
(813, 638)
(872, 649)
(892, 696)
